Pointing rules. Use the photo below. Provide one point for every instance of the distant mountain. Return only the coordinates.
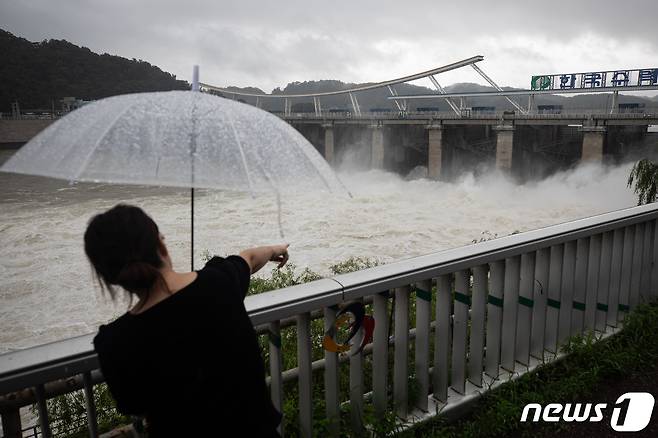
(252, 90)
(39, 74)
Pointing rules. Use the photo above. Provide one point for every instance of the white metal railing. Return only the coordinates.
(500, 308)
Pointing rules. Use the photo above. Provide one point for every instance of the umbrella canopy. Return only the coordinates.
(179, 139)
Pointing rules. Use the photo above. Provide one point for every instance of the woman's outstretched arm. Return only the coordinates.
(256, 258)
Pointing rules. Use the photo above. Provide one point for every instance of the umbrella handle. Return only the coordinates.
(192, 229)
(195, 78)
(278, 214)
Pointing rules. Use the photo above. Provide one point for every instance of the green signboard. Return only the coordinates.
(540, 83)
(645, 77)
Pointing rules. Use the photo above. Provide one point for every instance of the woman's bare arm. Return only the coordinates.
(258, 257)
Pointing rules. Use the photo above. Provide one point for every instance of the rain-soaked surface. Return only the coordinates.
(46, 288)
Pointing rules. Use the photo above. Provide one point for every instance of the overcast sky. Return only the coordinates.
(270, 43)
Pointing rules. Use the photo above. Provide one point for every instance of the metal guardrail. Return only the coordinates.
(580, 114)
(28, 115)
(584, 114)
(521, 296)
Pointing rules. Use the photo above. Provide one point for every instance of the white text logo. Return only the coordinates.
(631, 412)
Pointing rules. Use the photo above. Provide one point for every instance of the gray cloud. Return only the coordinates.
(268, 44)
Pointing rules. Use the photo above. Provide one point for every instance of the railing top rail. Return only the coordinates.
(44, 363)
(444, 68)
(60, 359)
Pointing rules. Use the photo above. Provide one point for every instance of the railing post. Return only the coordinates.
(636, 268)
(526, 304)
(305, 379)
(90, 405)
(356, 383)
(593, 275)
(478, 307)
(566, 296)
(331, 382)
(422, 361)
(626, 274)
(401, 359)
(459, 331)
(580, 286)
(647, 261)
(380, 354)
(510, 313)
(442, 337)
(554, 292)
(42, 408)
(604, 281)
(540, 294)
(653, 293)
(276, 367)
(494, 317)
(615, 276)
(11, 423)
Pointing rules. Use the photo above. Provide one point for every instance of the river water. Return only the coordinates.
(47, 290)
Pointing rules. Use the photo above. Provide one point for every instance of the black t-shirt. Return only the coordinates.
(191, 364)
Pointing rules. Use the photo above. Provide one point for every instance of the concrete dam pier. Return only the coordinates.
(526, 146)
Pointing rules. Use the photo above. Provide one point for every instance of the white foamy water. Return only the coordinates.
(46, 287)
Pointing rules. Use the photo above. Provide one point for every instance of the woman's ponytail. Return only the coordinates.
(138, 277)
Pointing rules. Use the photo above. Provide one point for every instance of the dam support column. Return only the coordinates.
(377, 149)
(504, 146)
(329, 143)
(593, 138)
(434, 151)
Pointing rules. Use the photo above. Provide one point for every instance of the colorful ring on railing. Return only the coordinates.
(361, 320)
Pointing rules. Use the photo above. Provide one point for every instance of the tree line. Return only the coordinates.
(39, 74)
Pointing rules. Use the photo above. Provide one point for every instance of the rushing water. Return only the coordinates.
(46, 287)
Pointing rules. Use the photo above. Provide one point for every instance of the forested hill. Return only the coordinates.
(38, 74)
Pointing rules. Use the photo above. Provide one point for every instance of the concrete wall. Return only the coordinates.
(629, 143)
(406, 147)
(21, 131)
(540, 151)
(468, 149)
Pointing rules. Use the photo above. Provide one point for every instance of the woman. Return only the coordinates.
(185, 356)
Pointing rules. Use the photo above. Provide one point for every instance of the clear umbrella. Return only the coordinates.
(179, 139)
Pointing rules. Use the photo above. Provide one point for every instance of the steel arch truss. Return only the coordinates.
(401, 103)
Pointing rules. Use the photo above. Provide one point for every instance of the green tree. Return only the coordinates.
(645, 177)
